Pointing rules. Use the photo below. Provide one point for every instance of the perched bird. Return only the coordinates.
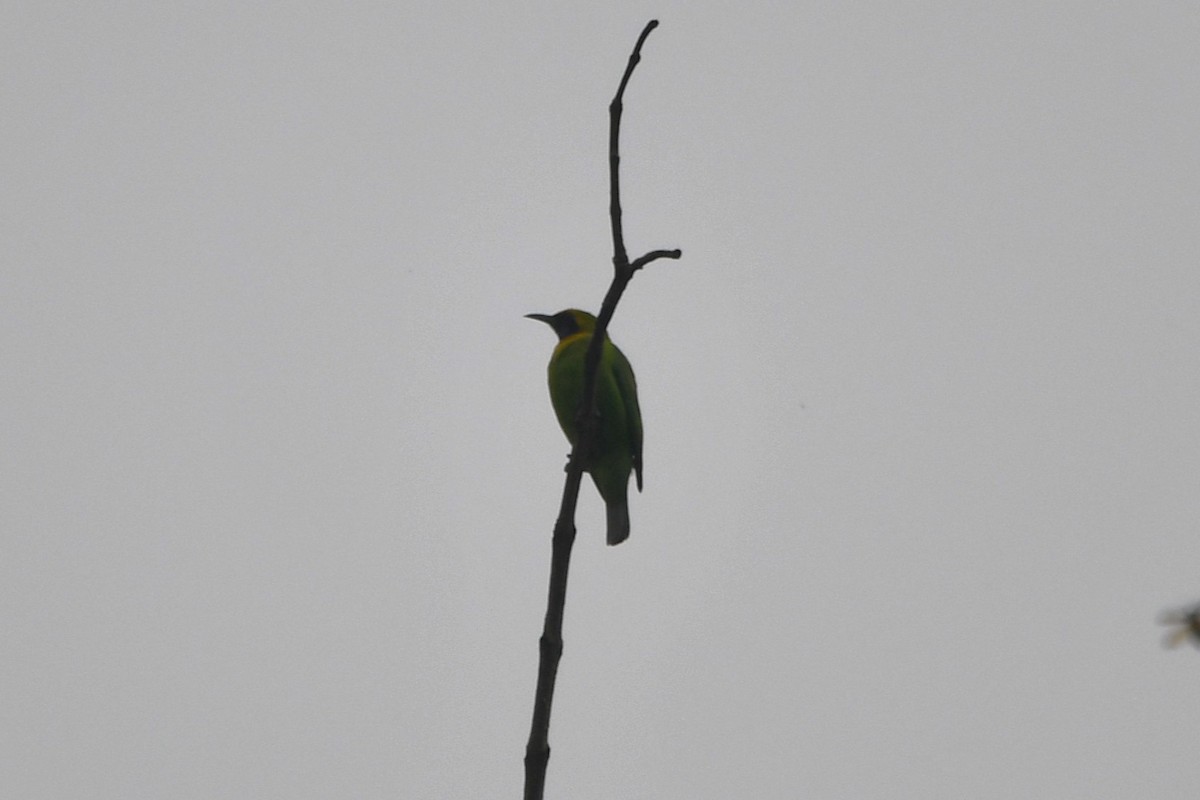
(618, 445)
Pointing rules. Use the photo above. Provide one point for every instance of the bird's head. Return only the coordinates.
(567, 323)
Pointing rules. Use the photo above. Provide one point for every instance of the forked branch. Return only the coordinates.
(550, 645)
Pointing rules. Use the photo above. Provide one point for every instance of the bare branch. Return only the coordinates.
(654, 255)
(550, 645)
(620, 259)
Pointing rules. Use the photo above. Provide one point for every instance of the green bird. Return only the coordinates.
(617, 449)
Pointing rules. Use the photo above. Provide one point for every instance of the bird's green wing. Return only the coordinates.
(627, 386)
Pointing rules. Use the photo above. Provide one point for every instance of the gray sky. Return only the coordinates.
(280, 468)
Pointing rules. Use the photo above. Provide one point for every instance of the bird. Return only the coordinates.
(617, 449)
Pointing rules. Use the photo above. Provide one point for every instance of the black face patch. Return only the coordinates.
(565, 324)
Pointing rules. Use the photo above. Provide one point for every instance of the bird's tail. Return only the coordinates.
(618, 522)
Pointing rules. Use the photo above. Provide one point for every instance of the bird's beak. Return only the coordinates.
(541, 318)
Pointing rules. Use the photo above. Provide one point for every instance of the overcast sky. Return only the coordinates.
(279, 468)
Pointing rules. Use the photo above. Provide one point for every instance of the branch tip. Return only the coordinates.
(654, 255)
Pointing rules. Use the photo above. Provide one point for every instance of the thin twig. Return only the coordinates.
(620, 258)
(654, 256)
(550, 645)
